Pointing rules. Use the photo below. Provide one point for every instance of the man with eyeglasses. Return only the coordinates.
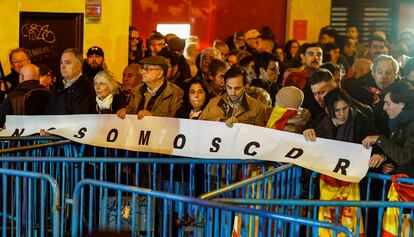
(18, 58)
(156, 43)
(156, 96)
(206, 57)
(267, 71)
(136, 51)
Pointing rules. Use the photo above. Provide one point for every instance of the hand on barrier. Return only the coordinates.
(376, 160)
(309, 134)
(229, 122)
(142, 113)
(43, 132)
(121, 113)
(369, 141)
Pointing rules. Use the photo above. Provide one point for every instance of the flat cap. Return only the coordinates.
(155, 60)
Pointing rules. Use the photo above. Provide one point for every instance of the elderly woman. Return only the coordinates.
(399, 147)
(106, 87)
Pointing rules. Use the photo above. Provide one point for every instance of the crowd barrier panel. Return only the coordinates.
(284, 182)
(24, 204)
(374, 187)
(372, 224)
(158, 210)
(69, 166)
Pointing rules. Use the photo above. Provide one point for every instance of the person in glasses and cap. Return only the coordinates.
(156, 96)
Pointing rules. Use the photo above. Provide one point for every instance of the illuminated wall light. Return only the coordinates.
(181, 30)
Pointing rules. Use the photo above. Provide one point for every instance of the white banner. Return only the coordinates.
(201, 139)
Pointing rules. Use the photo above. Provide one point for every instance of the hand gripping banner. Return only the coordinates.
(200, 139)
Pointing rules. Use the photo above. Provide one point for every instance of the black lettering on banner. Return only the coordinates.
(250, 144)
(294, 153)
(112, 135)
(81, 133)
(17, 132)
(144, 137)
(216, 144)
(342, 165)
(179, 137)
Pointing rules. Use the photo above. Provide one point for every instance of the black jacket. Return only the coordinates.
(79, 98)
(399, 147)
(17, 101)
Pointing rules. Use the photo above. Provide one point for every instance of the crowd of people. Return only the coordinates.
(337, 88)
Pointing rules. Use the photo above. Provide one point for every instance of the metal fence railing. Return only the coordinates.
(30, 204)
(159, 208)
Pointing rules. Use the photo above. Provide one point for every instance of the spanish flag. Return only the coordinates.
(279, 117)
(390, 222)
(334, 189)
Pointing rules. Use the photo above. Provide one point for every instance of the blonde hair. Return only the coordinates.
(109, 78)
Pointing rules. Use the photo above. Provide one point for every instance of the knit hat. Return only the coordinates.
(289, 97)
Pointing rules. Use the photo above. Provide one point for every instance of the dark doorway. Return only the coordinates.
(46, 35)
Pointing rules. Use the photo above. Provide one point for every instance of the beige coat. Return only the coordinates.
(165, 105)
(251, 112)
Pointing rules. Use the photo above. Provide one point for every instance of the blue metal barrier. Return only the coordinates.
(278, 183)
(371, 211)
(24, 209)
(146, 172)
(164, 202)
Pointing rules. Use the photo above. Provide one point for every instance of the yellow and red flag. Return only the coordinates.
(390, 221)
(334, 189)
(279, 117)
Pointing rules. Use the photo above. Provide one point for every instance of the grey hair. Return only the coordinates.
(109, 78)
(381, 58)
(189, 46)
(216, 52)
(76, 52)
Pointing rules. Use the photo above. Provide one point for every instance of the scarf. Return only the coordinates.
(105, 103)
(403, 118)
(195, 115)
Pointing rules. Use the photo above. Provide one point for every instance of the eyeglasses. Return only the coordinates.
(159, 44)
(148, 69)
(134, 38)
(20, 61)
(273, 69)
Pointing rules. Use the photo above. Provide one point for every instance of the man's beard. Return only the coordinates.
(92, 71)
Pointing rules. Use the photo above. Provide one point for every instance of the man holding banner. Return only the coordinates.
(235, 106)
(157, 96)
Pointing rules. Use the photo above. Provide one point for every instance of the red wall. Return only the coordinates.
(211, 19)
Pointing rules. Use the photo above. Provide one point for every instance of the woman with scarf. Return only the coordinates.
(342, 122)
(399, 147)
(106, 87)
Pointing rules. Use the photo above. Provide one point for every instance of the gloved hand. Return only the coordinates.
(229, 122)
